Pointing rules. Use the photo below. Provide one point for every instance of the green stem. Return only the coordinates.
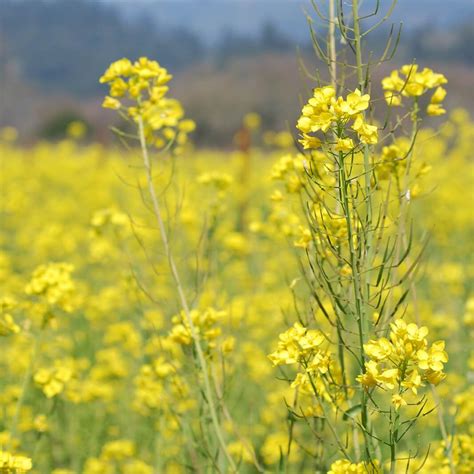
(367, 166)
(183, 300)
(404, 203)
(393, 443)
(357, 44)
(332, 44)
(24, 389)
(355, 277)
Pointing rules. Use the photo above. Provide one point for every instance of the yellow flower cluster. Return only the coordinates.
(7, 323)
(454, 454)
(462, 446)
(289, 168)
(14, 464)
(136, 376)
(344, 466)
(319, 379)
(299, 344)
(392, 160)
(53, 283)
(404, 361)
(124, 77)
(304, 237)
(415, 83)
(469, 313)
(282, 140)
(324, 112)
(109, 217)
(159, 388)
(149, 393)
(117, 456)
(53, 380)
(205, 323)
(143, 84)
(214, 178)
(302, 346)
(463, 409)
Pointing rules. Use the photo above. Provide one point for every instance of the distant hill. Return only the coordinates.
(62, 46)
(65, 45)
(209, 18)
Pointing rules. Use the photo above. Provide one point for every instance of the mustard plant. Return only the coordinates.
(139, 92)
(359, 366)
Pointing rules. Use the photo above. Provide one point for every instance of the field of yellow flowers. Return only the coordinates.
(302, 305)
(97, 368)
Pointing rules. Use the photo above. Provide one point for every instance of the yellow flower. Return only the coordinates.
(379, 349)
(317, 121)
(414, 84)
(398, 401)
(305, 238)
(136, 466)
(415, 333)
(310, 142)
(297, 343)
(355, 103)
(149, 69)
(241, 451)
(322, 96)
(435, 110)
(97, 466)
(118, 450)
(53, 282)
(228, 345)
(111, 103)
(118, 87)
(393, 82)
(8, 325)
(52, 381)
(315, 115)
(433, 359)
(388, 378)
(407, 338)
(438, 96)
(187, 125)
(430, 79)
(252, 121)
(393, 98)
(344, 145)
(122, 67)
(413, 382)
(369, 378)
(41, 423)
(367, 133)
(274, 445)
(142, 85)
(13, 464)
(375, 376)
(344, 466)
(311, 340)
(304, 124)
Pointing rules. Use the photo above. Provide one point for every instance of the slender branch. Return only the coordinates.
(183, 300)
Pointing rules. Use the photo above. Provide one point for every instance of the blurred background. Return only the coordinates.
(228, 57)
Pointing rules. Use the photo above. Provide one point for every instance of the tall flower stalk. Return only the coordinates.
(353, 177)
(160, 121)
